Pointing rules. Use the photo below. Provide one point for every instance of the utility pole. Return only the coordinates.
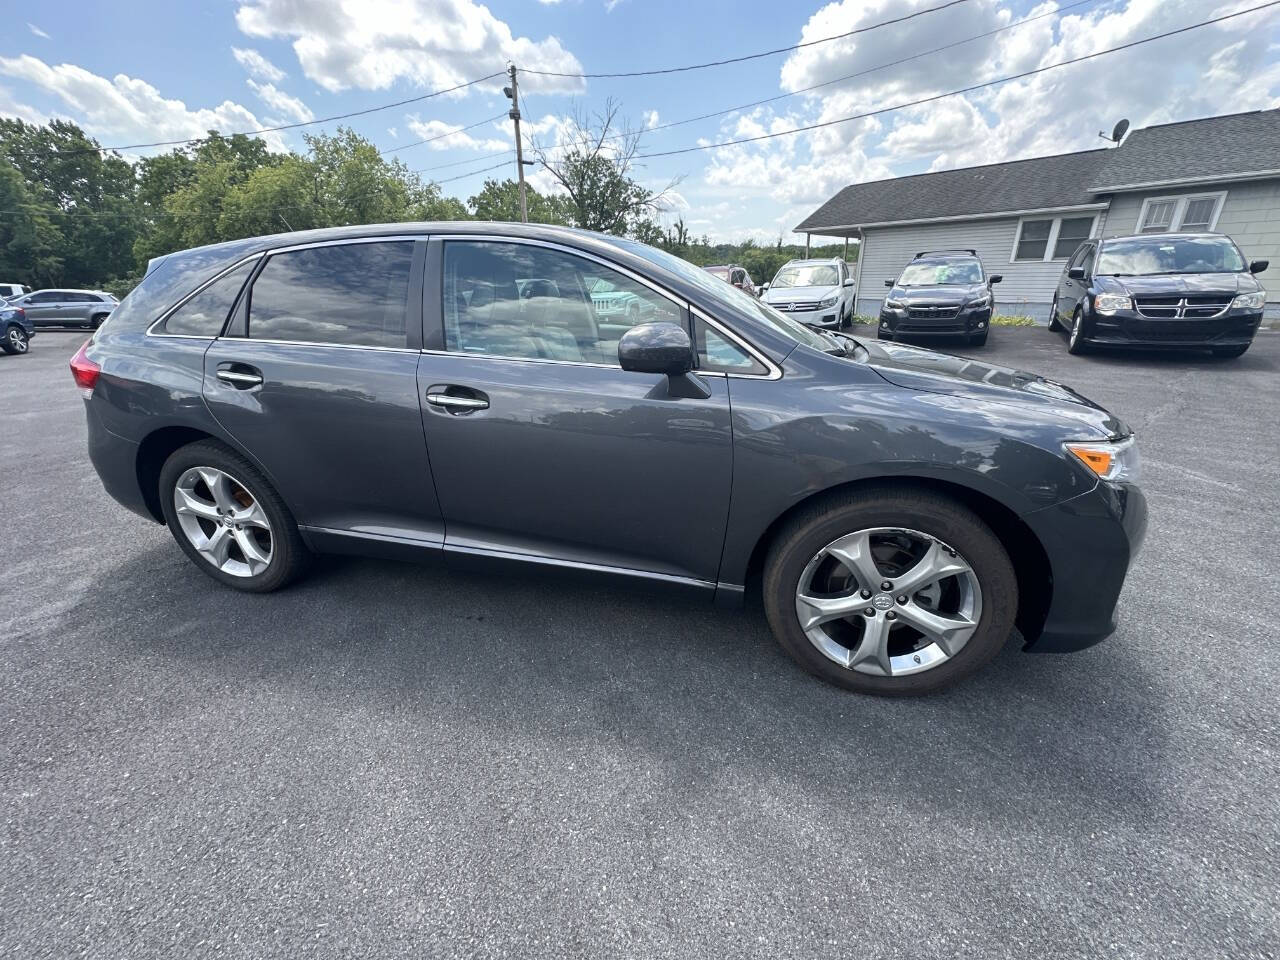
(513, 93)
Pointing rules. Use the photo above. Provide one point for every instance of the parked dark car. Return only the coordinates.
(66, 308)
(901, 510)
(1172, 290)
(736, 275)
(16, 329)
(940, 293)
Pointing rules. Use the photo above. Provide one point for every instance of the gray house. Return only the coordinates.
(1026, 217)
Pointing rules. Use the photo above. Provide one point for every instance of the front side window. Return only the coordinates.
(205, 313)
(1033, 240)
(716, 352)
(926, 274)
(1086, 261)
(530, 302)
(352, 294)
(807, 275)
(1145, 256)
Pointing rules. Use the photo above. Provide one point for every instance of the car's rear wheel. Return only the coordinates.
(1228, 353)
(16, 340)
(1054, 323)
(889, 592)
(1076, 342)
(228, 519)
(96, 321)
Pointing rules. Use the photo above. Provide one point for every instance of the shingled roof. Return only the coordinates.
(1038, 184)
(1194, 150)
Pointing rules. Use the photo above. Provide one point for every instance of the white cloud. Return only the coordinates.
(125, 108)
(36, 30)
(371, 44)
(650, 119)
(258, 66)
(442, 136)
(291, 108)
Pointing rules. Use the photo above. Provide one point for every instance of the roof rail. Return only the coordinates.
(970, 252)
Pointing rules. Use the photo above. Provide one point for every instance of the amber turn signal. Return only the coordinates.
(1094, 457)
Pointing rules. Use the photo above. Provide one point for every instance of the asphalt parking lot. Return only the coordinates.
(395, 760)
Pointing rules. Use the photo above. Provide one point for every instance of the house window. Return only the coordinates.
(1051, 238)
(1191, 213)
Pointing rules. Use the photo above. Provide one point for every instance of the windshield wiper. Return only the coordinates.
(840, 349)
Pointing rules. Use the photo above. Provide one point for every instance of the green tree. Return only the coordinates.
(30, 242)
(500, 200)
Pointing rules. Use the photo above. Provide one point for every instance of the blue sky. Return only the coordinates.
(140, 71)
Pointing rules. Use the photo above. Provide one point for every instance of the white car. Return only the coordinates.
(817, 292)
(10, 290)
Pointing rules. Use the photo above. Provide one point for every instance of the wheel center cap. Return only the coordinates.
(883, 601)
(226, 520)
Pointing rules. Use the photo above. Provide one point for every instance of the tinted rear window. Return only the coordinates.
(205, 313)
(352, 294)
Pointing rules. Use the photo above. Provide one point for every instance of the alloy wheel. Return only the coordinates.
(223, 521)
(888, 601)
(1077, 323)
(17, 340)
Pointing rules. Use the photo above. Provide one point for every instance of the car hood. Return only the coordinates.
(946, 294)
(934, 372)
(1173, 283)
(798, 294)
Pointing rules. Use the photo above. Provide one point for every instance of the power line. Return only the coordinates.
(750, 56)
(458, 163)
(441, 136)
(862, 73)
(261, 130)
(954, 93)
(463, 176)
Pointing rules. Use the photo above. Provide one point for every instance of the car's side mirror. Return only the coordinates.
(656, 348)
(1259, 265)
(995, 278)
(763, 287)
(848, 281)
(890, 283)
(1076, 273)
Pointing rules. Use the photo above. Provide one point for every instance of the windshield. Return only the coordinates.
(811, 275)
(1141, 256)
(726, 293)
(941, 274)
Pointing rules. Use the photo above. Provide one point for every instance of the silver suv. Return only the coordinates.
(819, 293)
(66, 308)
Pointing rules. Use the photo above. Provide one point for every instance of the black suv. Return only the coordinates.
(1175, 290)
(940, 293)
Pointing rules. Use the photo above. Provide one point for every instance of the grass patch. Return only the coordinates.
(1000, 320)
(865, 319)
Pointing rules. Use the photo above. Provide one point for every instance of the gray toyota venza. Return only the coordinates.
(518, 393)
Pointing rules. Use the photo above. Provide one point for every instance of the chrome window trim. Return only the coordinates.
(151, 330)
(567, 363)
(389, 238)
(313, 343)
(775, 372)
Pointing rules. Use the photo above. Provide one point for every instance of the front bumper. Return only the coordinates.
(1090, 540)
(818, 316)
(1128, 328)
(934, 322)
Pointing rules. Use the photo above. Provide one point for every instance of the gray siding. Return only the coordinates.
(1027, 288)
(1250, 216)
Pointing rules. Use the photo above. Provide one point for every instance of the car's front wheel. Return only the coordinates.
(16, 340)
(890, 592)
(1054, 323)
(1076, 342)
(227, 518)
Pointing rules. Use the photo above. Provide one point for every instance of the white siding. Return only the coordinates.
(1027, 288)
(1250, 216)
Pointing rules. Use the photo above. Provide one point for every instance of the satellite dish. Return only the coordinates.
(1117, 132)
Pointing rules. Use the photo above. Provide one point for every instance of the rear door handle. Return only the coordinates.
(239, 375)
(457, 400)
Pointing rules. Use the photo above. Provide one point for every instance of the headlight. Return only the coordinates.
(981, 303)
(1108, 303)
(895, 304)
(1250, 301)
(829, 302)
(1111, 460)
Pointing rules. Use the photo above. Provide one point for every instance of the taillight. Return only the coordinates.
(85, 371)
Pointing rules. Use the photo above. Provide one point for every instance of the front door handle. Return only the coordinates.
(457, 400)
(239, 375)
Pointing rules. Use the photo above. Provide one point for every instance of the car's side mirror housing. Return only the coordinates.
(656, 348)
(1076, 273)
(995, 278)
(848, 281)
(890, 283)
(1259, 265)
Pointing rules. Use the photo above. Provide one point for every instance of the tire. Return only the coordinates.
(979, 339)
(96, 320)
(1230, 353)
(937, 523)
(287, 555)
(15, 340)
(1076, 343)
(1055, 324)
